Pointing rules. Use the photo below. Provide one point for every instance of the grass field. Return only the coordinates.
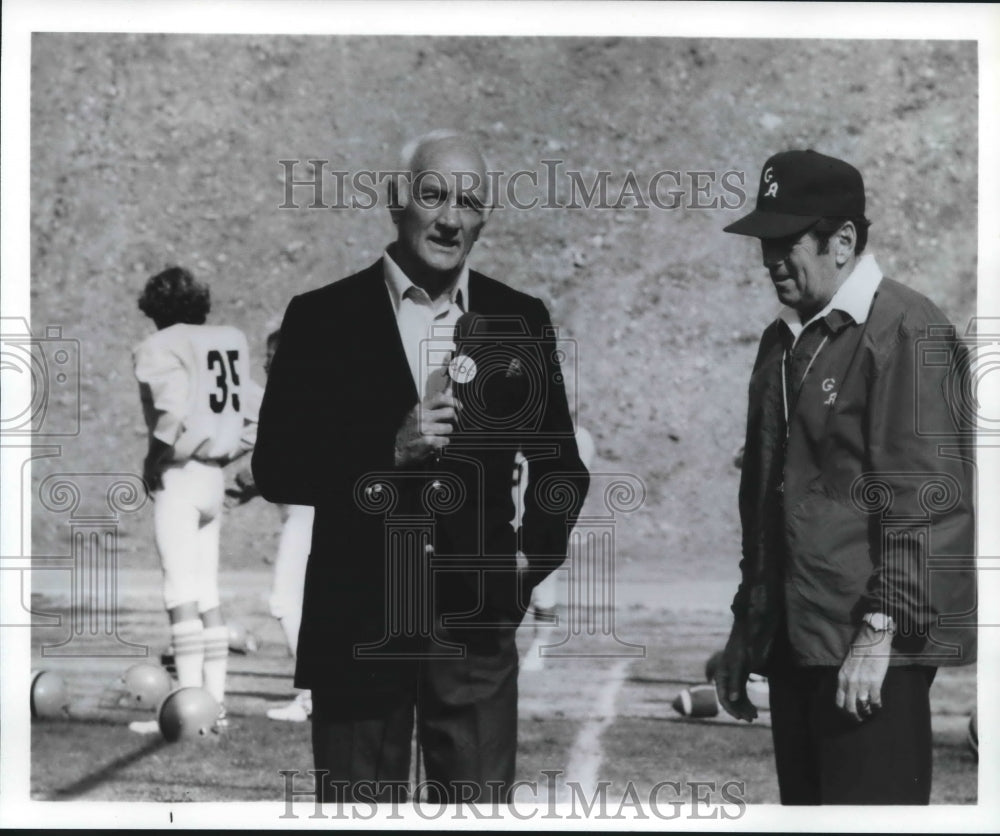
(599, 719)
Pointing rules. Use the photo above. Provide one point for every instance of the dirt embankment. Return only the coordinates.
(150, 150)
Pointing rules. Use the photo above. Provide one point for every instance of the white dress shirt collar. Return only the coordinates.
(400, 286)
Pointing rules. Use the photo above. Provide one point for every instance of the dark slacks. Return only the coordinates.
(823, 756)
(466, 719)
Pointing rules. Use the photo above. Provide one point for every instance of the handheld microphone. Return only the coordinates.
(460, 368)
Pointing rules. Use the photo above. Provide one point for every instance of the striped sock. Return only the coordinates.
(189, 652)
(216, 657)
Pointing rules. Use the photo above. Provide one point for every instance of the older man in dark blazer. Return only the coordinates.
(404, 442)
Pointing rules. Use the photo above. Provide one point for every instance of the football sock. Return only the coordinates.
(189, 651)
(216, 657)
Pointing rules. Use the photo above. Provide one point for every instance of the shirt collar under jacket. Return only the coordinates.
(399, 285)
(853, 297)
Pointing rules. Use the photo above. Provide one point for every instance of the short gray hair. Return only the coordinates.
(408, 155)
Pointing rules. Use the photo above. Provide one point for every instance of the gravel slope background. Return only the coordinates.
(149, 150)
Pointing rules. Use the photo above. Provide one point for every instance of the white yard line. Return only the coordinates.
(586, 755)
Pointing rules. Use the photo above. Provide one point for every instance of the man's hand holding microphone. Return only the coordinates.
(427, 428)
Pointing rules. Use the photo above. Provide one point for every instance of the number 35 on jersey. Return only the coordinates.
(194, 383)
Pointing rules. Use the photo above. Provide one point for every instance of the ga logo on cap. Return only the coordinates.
(772, 189)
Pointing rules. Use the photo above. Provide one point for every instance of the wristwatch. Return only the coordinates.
(880, 622)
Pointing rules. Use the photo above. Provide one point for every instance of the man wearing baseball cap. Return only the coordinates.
(858, 569)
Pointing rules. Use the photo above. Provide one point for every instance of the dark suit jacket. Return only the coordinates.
(402, 557)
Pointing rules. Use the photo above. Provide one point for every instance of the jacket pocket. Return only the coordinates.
(829, 559)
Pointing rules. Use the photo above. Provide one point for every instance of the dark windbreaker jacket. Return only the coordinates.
(869, 507)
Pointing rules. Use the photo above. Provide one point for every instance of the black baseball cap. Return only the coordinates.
(797, 189)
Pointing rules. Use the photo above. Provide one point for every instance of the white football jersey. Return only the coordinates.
(196, 389)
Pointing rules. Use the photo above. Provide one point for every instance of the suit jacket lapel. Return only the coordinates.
(388, 364)
(480, 300)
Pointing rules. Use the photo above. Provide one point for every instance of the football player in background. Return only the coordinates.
(194, 387)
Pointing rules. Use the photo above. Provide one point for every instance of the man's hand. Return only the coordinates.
(426, 429)
(731, 676)
(244, 489)
(152, 474)
(154, 464)
(859, 683)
